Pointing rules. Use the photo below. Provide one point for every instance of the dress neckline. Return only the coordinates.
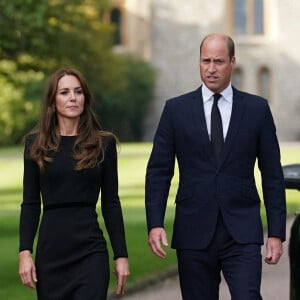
(68, 136)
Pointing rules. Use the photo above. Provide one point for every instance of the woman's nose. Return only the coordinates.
(72, 96)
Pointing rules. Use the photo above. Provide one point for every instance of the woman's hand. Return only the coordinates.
(27, 270)
(122, 272)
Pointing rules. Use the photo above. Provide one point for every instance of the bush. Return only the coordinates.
(124, 109)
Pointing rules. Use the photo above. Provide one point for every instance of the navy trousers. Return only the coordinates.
(200, 270)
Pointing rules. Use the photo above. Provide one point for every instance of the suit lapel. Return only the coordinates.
(199, 115)
(238, 107)
(198, 118)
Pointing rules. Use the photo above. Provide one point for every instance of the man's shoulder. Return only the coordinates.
(249, 97)
(188, 96)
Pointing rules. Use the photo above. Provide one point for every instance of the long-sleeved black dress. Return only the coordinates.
(71, 257)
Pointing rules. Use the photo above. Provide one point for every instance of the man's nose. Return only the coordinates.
(211, 67)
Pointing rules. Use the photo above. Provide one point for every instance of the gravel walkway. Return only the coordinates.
(275, 282)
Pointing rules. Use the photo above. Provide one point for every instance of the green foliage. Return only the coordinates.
(37, 37)
(17, 112)
(124, 110)
(51, 33)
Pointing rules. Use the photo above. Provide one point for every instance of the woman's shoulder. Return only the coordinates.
(109, 143)
(28, 141)
(108, 138)
(29, 138)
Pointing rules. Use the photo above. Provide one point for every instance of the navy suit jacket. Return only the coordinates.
(207, 187)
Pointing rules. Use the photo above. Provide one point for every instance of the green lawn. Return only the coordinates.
(132, 165)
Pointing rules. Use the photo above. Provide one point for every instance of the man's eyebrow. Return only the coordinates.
(212, 59)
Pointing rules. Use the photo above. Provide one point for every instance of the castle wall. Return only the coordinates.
(167, 33)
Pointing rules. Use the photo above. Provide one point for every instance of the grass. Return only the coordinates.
(132, 165)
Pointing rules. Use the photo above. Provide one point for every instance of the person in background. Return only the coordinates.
(68, 160)
(217, 133)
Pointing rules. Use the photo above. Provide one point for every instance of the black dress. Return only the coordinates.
(71, 257)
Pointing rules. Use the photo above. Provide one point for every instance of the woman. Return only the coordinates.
(68, 159)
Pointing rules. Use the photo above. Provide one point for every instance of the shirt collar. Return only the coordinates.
(207, 94)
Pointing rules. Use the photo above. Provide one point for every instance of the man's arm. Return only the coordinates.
(273, 185)
(160, 170)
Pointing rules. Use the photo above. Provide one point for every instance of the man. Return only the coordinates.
(217, 224)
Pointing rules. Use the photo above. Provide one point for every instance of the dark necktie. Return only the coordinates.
(217, 138)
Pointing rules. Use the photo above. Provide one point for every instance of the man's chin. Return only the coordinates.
(213, 86)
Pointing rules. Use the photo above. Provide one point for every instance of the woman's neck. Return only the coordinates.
(68, 128)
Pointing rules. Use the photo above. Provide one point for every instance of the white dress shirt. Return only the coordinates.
(224, 104)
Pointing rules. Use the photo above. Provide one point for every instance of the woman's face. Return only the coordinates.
(69, 99)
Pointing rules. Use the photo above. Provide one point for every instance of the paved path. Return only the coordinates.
(275, 282)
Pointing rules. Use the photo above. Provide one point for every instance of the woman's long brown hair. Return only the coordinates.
(89, 142)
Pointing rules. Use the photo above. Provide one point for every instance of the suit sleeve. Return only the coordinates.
(110, 202)
(160, 170)
(272, 178)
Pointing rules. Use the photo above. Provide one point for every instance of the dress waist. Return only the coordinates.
(67, 205)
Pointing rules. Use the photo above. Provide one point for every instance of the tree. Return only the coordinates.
(17, 113)
(36, 37)
(42, 35)
(39, 36)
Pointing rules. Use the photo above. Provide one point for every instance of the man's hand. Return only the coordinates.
(274, 250)
(157, 236)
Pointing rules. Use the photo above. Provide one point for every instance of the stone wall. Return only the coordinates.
(167, 33)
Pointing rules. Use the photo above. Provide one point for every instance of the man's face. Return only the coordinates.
(215, 64)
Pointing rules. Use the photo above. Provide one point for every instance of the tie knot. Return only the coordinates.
(217, 97)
